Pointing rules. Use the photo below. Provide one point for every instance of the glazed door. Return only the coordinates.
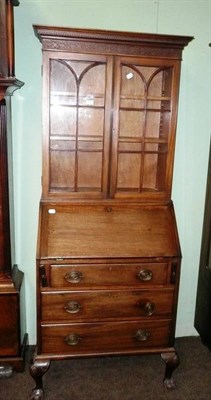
(144, 124)
(82, 117)
(77, 103)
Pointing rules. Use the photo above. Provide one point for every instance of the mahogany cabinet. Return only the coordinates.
(11, 346)
(108, 255)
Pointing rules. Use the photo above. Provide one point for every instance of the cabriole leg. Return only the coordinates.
(37, 370)
(172, 361)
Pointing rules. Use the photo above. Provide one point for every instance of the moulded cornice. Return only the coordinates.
(47, 32)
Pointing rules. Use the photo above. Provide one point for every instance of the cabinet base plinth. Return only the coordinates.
(16, 362)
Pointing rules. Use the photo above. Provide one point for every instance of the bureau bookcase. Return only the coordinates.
(108, 256)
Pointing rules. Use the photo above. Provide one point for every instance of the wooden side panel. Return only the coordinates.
(9, 325)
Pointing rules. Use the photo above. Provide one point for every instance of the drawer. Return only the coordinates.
(105, 337)
(102, 304)
(87, 275)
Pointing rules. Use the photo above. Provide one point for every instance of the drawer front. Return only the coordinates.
(74, 306)
(105, 338)
(108, 275)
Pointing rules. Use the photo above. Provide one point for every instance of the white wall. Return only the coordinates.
(185, 17)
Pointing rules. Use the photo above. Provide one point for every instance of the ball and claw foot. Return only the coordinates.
(37, 394)
(172, 362)
(169, 384)
(37, 370)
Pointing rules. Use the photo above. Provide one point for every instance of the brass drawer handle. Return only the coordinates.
(72, 307)
(73, 339)
(145, 275)
(146, 306)
(149, 308)
(142, 335)
(73, 277)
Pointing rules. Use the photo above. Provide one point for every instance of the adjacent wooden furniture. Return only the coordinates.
(11, 349)
(108, 259)
(203, 299)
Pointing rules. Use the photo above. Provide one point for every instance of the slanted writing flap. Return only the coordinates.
(108, 231)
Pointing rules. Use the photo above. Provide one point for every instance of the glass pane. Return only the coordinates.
(131, 123)
(157, 125)
(59, 145)
(125, 146)
(90, 170)
(132, 88)
(155, 86)
(160, 85)
(132, 103)
(62, 170)
(161, 169)
(154, 169)
(147, 72)
(78, 66)
(90, 145)
(63, 120)
(154, 104)
(63, 88)
(129, 166)
(164, 124)
(91, 122)
(150, 171)
(132, 83)
(152, 124)
(151, 147)
(92, 86)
